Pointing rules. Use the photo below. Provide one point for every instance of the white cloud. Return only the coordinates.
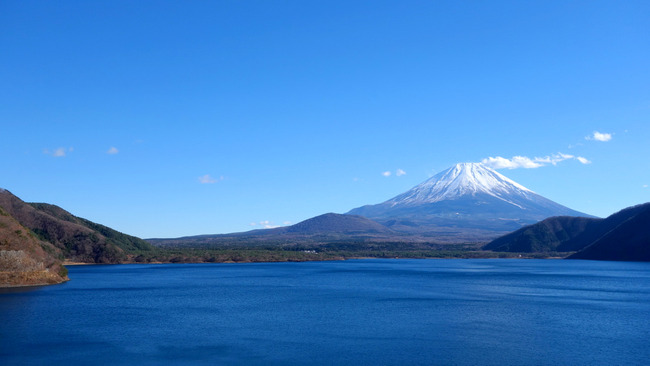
(58, 153)
(398, 173)
(554, 159)
(525, 162)
(514, 163)
(267, 224)
(645, 186)
(112, 151)
(207, 179)
(598, 136)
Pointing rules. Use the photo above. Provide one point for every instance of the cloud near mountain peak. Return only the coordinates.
(525, 162)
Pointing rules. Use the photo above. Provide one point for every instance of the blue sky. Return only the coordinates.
(164, 119)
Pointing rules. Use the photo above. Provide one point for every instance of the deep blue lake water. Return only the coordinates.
(359, 312)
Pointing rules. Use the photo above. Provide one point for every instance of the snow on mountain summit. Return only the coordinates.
(466, 202)
(460, 180)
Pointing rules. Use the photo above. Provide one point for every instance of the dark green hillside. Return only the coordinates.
(623, 236)
(604, 226)
(121, 240)
(629, 241)
(544, 236)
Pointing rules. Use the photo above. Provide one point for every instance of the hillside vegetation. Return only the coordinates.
(79, 240)
(26, 260)
(36, 238)
(623, 236)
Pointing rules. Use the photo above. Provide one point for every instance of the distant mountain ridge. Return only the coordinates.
(336, 223)
(465, 204)
(624, 235)
(466, 196)
(329, 227)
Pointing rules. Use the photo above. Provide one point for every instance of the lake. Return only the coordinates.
(356, 312)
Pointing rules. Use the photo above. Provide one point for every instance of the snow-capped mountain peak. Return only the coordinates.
(461, 180)
(466, 202)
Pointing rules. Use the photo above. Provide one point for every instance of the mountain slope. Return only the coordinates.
(468, 197)
(331, 223)
(326, 228)
(121, 240)
(78, 239)
(545, 236)
(25, 260)
(629, 240)
(604, 226)
(624, 235)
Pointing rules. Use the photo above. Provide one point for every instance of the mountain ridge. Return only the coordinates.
(466, 195)
(328, 227)
(78, 239)
(465, 204)
(24, 259)
(624, 235)
(459, 180)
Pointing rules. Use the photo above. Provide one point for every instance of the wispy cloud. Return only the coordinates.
(207, 179)
(113, 150)
(525, 162)
(599, 136)
(513, 163)
(398, 173)
(59, 152)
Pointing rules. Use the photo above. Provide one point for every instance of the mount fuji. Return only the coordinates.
(466, 202)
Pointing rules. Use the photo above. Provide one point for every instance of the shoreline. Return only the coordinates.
(65, 263)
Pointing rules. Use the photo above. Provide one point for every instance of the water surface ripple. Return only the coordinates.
(358, 312)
